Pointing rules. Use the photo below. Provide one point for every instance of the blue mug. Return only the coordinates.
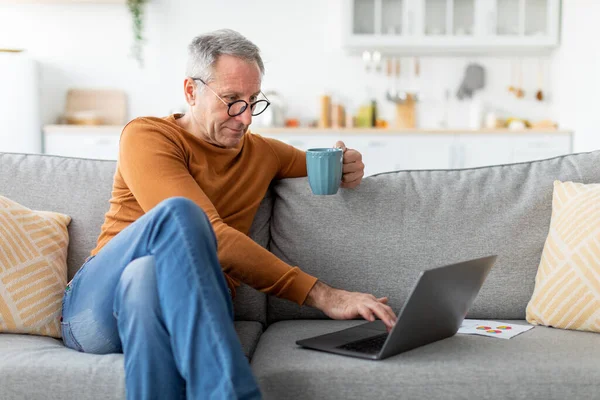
(324, 167)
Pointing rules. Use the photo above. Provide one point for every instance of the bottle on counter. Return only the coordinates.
(338, 116)
(325, 118)
(373, 113)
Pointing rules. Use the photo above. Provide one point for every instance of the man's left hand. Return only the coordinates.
(353, 168)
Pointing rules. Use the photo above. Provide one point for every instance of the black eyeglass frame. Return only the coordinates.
(252, 105)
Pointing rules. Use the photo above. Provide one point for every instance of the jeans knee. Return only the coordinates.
(137, 292)
(189, 212)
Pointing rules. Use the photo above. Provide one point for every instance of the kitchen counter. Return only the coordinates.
(383, 149)
(399, 131)
(312, 131)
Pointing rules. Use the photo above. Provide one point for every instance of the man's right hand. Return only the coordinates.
(341, 304)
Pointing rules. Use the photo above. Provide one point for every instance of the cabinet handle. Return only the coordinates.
(410, 23)
(492, 27)
(376, 144)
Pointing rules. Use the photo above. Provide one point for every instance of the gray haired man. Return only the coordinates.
(174, 244)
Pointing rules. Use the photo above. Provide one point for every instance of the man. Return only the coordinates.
(185, 193)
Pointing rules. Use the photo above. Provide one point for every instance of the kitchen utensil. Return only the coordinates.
(406, 112)
(398, 71)
(540, 94)
(366, 57)
(109, 106)
(376, 61)
(417, 77)
(389, 70)
(400, 95)
(474, 80)
(520, 93)
(512, 88)
(396, 96)
(83, 118)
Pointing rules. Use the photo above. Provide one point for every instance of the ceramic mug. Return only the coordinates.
(324, 167)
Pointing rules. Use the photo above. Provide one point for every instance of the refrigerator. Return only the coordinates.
(20, 121)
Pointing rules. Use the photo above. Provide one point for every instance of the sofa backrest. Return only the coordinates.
(81, 189)
(378, 237)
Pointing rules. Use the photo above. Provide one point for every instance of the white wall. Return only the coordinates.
(577, 72)
(88, 45)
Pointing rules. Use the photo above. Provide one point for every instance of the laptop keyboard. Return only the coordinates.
(371, 345)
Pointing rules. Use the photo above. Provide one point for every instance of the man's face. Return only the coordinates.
(233, 79)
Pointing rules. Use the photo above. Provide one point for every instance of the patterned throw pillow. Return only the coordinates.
(567, 284)
(33, 269)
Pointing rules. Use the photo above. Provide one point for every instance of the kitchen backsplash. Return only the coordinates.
(77, 51)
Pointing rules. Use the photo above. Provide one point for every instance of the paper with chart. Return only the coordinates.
(494, 329)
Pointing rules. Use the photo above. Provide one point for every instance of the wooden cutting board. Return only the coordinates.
(110, 105)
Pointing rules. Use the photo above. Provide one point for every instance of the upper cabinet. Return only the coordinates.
(456, 26)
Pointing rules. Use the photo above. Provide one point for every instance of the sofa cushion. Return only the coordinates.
(543, 363)
(378, 237)
(567, 284)
(81, 189)
(77, 187)
(33, 269)
(36, 367)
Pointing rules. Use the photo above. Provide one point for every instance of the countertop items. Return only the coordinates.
(95, 107)
(331, 131)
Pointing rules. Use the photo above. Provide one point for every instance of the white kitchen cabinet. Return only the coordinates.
(476, 150)
(537, 147)
(383, 152)
(522, 22)
(420, 152)
(450, 26)
(390, 18)
(84, 142)
(449, 18)
(305, 142)
(472, 150)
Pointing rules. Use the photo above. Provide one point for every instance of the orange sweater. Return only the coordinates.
(158, 159)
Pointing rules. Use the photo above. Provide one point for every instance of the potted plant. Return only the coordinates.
(136, 8)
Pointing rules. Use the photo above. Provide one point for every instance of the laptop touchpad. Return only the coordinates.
(375, 325)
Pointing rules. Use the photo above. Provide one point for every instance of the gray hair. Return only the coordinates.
(205, 49)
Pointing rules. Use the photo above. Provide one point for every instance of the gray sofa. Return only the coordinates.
(375, 239)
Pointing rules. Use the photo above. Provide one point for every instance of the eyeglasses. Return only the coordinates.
(237, 107)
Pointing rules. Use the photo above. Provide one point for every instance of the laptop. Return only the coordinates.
(435, 309)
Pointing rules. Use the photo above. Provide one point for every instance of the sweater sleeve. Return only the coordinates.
(153, 165)
(292, 161)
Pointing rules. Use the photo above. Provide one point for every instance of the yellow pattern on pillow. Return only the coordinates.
(33, 269)
(567, 284)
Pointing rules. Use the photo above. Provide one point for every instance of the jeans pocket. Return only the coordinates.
(68, 338)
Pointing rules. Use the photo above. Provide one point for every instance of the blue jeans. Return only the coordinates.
(156, 292)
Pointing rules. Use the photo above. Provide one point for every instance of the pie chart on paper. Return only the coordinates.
(493, 331)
